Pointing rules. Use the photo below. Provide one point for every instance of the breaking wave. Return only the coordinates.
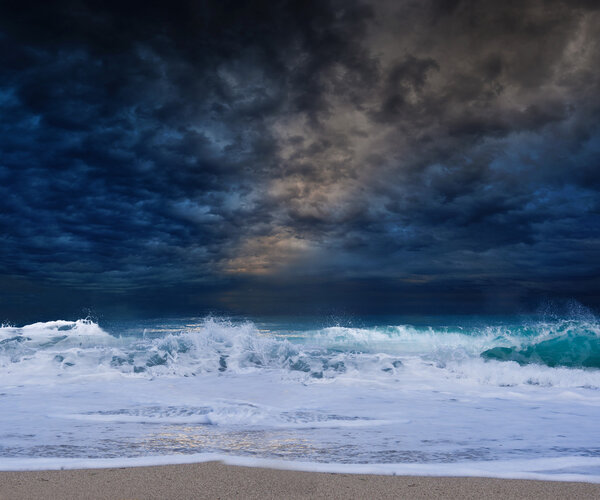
(492, 354)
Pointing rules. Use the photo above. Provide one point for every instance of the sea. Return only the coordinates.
(507, 396)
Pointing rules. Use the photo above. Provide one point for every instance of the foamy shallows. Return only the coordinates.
(505, 398)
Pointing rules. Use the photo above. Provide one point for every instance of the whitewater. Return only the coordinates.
(508, 397)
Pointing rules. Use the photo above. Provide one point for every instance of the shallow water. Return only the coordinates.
(515, 397)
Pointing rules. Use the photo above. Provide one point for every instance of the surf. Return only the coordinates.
(458, 394)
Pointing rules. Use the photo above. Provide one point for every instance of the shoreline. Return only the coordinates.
(219, 480)
(526, 469)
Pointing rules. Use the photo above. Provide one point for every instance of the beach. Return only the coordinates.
(217, 480)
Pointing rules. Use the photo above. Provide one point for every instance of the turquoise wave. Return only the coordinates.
(573, 350)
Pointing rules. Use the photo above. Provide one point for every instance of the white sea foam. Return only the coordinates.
(387, 399)
(557, 469)
(48, 329)
(75, 349)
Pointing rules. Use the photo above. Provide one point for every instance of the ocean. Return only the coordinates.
(511, 396)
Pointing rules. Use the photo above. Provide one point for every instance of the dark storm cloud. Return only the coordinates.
(426, 143)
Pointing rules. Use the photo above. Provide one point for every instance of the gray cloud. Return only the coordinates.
(220, 144)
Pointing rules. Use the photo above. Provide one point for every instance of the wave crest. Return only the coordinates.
(389, 354)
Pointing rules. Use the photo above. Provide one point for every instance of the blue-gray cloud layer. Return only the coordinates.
(429, 145)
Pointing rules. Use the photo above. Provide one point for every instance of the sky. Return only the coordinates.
(387, 156)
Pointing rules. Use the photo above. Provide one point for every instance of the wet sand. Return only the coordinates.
(216, 480)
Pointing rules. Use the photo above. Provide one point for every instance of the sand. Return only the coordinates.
(216, 480)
